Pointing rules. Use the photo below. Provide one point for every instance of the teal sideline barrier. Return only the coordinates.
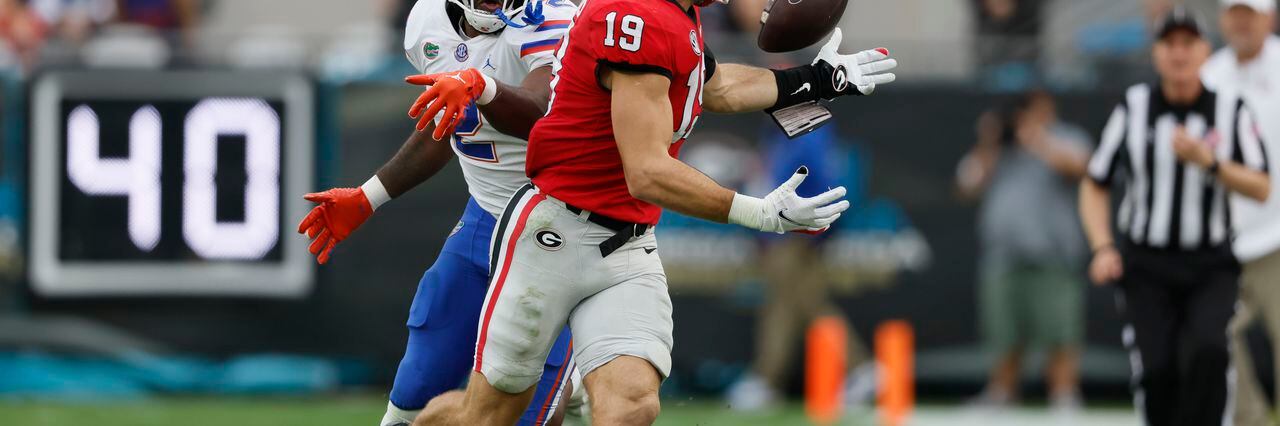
(13, 154)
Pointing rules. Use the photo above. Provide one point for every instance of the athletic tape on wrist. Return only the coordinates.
(746, 211)
(490, 90)
(375, 192)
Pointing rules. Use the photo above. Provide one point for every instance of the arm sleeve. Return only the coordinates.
(637, 41)
(709, 62)
(1105, 160)
(1250, 148)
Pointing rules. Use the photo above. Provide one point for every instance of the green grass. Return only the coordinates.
(683, 413)
(197, 412)
(366, 409)
(354, 410)
(306, 411)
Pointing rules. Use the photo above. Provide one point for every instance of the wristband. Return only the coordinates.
(490, 90)
(746, 211)
(795, 86)
(375, 192)
(805, 84)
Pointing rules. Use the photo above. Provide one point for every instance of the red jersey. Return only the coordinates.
(573, 155)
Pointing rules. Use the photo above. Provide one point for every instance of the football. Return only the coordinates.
(788, 25)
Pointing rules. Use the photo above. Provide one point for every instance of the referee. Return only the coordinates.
(1181, 148)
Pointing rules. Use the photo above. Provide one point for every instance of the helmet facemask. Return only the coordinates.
(490, 22)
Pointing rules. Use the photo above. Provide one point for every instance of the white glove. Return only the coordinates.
(863, 70)
(783, 211)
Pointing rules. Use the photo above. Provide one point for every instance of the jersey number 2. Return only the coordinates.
(632, 28)
(470, 126)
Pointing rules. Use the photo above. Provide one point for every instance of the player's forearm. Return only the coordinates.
(1245, 181)
(673, 185)
(740, 88)
(641, 115)
(514, 109)
(418, 159)
(1095, 214)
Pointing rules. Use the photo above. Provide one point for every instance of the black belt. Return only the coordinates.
(625, 231)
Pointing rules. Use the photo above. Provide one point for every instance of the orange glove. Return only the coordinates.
(340, 212)
(452, 92)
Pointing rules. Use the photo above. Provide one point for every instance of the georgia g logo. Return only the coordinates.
(548, 239)
(840, 79)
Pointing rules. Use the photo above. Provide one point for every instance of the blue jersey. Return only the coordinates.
(816, 149)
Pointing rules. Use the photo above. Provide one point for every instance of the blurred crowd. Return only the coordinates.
(29, 27)
(1007, 45)
(1018, 43)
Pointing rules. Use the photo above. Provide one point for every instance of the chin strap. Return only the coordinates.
(532, 15)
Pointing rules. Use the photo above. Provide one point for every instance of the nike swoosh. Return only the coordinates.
(803, 88)
(782, 215)
(649, 250)
(459, 78)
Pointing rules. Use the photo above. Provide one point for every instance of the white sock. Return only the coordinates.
(397, 417)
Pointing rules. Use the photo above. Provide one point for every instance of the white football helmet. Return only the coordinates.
(488, 22)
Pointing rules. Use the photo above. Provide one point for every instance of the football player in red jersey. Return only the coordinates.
(577, 244)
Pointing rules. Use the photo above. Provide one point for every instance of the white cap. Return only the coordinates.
(1264, 6)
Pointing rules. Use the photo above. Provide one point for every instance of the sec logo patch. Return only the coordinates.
(693, 41)
(461, 53)
(548, 239)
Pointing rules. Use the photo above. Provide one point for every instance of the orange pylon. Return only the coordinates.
(826, 365)
(895, 352)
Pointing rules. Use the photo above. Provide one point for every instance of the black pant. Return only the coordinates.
(1178, 305)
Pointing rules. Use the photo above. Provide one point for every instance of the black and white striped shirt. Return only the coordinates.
(1169, 204)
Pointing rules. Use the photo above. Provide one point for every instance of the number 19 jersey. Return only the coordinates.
(573, 155)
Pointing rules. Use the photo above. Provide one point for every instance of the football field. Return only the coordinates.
(365, 410)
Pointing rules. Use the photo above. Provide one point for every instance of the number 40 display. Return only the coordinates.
(138, 176)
